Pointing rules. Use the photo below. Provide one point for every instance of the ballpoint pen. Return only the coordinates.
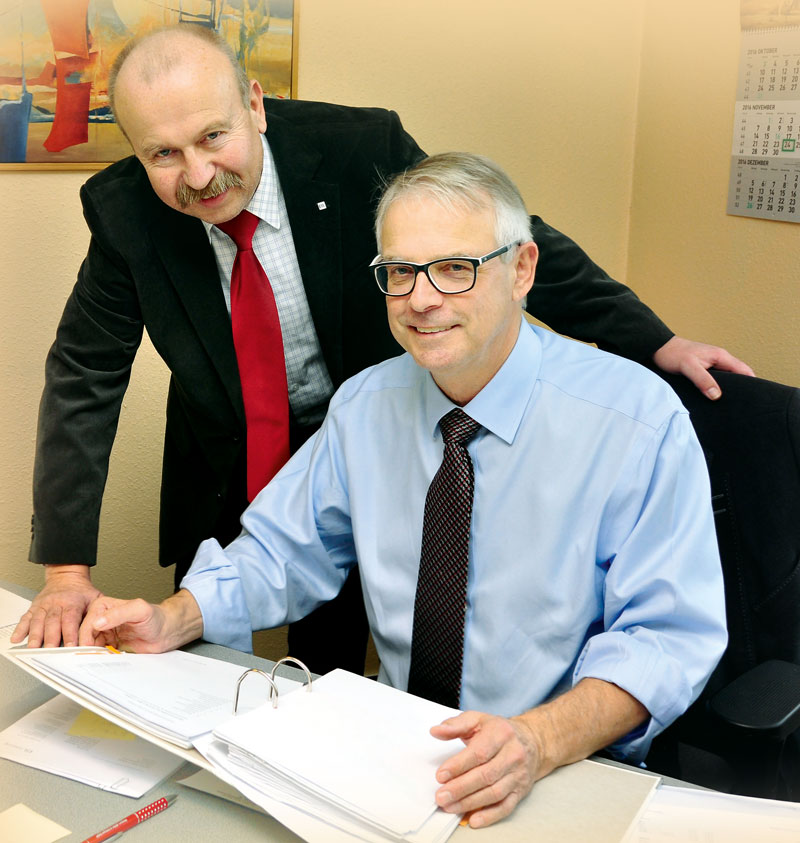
(115, 831)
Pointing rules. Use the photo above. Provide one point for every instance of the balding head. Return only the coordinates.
(154, 54)
(191, 121)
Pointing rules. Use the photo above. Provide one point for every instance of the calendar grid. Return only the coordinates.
(765, 151)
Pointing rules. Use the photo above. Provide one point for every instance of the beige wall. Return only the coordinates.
(584, 103)
(728, 280)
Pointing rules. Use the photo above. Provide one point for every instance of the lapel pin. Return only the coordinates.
(322, 206)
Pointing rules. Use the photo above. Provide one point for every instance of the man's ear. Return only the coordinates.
(525, 269)
(256, 104)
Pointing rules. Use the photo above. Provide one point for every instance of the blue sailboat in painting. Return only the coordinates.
(14, 117)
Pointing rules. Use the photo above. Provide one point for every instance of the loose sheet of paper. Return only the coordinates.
(12, 607)
(19, 822)
(680, 814)
(61, 737)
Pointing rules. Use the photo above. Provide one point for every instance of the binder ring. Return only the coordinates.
(300, 664)
(270, 677)
(272, 690)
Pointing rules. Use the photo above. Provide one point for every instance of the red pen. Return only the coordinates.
(128, 823)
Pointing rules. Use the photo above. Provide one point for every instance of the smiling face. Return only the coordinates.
(198, 142)
(461, 339)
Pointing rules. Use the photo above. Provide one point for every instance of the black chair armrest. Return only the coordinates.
(763, 701)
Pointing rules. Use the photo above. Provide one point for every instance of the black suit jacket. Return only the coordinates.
(150, 266)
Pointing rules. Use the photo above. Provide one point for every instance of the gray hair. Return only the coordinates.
(159, 62)
(467, 182)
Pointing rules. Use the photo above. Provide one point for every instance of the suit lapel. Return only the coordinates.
(314, 209)
(190, 264)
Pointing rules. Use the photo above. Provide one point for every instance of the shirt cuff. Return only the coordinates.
(215, 585)
(648, 674)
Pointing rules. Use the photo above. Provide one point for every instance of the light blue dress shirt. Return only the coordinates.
(592, 548)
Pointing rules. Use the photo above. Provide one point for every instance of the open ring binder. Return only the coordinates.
(270, 677)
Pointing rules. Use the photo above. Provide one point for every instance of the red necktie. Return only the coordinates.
(259, 352)
(437, 643)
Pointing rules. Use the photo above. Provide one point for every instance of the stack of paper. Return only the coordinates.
(356, 753)
(175, 696)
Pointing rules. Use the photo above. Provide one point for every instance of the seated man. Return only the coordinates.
(560, 581)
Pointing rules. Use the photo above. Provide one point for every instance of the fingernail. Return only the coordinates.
(444, 798)
(713, 393)
(444, 776)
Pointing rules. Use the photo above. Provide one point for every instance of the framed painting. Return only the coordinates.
(55, 56)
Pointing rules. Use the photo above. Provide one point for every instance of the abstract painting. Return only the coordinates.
(55, 56)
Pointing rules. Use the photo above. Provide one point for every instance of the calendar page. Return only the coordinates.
(765, 155)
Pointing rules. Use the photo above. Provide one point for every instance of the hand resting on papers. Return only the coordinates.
(57, 610)
(504, 757)
(142, 627)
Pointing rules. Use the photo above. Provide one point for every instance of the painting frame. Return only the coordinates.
(107, 139)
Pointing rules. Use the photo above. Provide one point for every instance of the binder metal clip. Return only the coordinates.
(270, 677)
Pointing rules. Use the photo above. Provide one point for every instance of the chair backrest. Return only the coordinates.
(751, 440)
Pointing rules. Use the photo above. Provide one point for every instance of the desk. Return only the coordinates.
(85, 810)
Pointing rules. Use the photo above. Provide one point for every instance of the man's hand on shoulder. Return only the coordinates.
(494, 771)
(57, 610)
(142, 627)
(694, 359)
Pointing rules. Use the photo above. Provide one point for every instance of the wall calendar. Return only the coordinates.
(765, 154)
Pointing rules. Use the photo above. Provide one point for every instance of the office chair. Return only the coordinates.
(741, 735)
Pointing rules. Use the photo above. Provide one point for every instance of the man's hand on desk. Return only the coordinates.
(57, 610)
(504, 757)
(142, 627)
(496, 769)
(693, 359)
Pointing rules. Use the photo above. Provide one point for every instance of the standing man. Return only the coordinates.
(206, 147)
(531, 517)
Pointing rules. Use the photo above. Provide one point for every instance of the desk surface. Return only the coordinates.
(85, 810)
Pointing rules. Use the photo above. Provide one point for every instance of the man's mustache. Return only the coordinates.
(221, 182)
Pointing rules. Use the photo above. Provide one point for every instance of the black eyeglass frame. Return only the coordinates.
(424, 267)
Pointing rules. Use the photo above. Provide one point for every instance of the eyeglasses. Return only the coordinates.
(448, 275)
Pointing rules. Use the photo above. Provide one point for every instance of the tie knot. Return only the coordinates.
(241, 229)
(458, 427)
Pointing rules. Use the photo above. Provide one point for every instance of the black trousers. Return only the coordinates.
(335, 634)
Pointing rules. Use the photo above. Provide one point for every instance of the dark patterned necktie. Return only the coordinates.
(259, 352)
(437, 644)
